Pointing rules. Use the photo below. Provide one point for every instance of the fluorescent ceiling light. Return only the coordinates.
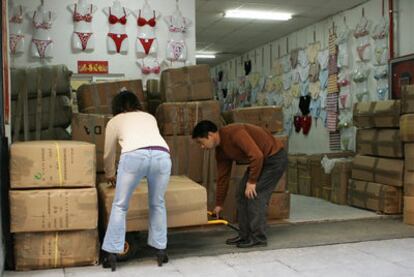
(205, 56)
(262, 15)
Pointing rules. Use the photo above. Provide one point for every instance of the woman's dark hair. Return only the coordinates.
(202, 128)
(125, 101)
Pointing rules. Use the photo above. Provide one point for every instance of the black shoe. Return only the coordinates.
(109, 261)
(235, 240)
(250, 243)
(162, 257)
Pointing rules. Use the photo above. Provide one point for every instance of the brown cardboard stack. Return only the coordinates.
(153, 96)
(340, 175)
(40, 104)
(53, 204)
(407, 135)
(378, 169)
(292, 174)
(304, 176)
(186, 203)
(187, 96)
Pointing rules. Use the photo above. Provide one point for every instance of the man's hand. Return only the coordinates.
(250, 191)
(111, 180)
(217, 211)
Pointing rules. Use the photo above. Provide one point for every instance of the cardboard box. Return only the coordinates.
(53, 210)
(340, 175)
(378, 170)
(91, 128)
(406, 127)
(408, 214)
(326, 193)
(292, 174)
(45, 164)
(188, 83)
(381, 114)
(407, 99)
(186, 203)
(279, 206)
(304, 176)
(409, 170)
(56, 249)
(179, 118)
(270, 117)
(187, 157)
(379, 142)
(152, 89)
(373, 196)
(97, 97)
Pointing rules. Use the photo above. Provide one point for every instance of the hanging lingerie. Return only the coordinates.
(364, 51)
(177, 25)
(323, 96)
(380, 30)
(277, 68)
(333, 65)
(381, 54)
(323, 59)
(314, 72)
(41, 46)
(112, 19)
(312, 51)
(14, 40)
(156, 69)
(381, 72)
(46, 25)
(176, 51)
(314, 90)
(294, 54)
(343, 55)
(306, 124)
(343, 79)
(345, 99)
(278, 83)
(360, 74)
(287, 80)
(17, 18)
(286, 64)
(84, 38)
(295, 90)
(361, 29)
(332, 102)
(315, 108)
(304, 103)
(146, 44)
(295, 75)
(304, 88)
(303, 58)
(142, 21)
(118, 39)
(323, 78)
(77, 17)
(333, 84)
(287, 100)
(382, 90)
(304, 72)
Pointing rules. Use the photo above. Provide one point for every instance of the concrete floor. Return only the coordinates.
(319, 239)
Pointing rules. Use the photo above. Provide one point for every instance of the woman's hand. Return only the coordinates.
(111, 180)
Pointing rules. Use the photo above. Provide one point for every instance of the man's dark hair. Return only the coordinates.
(125, 101)
(202, 128)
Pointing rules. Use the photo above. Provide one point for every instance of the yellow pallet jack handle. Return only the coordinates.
(220, 221)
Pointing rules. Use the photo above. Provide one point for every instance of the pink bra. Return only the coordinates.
(343, 82)
(42, 25)
(77, 17)
(18, 18)
(148, 70)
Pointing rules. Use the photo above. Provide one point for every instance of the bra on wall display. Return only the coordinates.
(16, 36)
(117, 39)
(82, 14)
(177, 26)
(42, 42)
(146, 43)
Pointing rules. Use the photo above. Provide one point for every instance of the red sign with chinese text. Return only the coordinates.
(92, 67)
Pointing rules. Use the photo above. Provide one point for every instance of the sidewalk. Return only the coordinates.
(373, 258)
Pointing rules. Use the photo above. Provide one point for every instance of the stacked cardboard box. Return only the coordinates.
(187, 98)
(186, 203)
(53, 204)
(407, 136)
(40, 102)
(279, 204)
(377, 170)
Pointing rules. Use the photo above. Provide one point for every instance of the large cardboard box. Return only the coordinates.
(45, 164)
(304, 176)
(381, 114)
(187, 157)
(292, 174)
(340, 175)
(374, 196)
(53, 210)
(408, 214)
(189, 83)
(179, 118)
(409, 170)
(379, 142)
(97, 97)
(407, 127)
(270, 117)
(186, 203)
(407, 99)
(91, 128)
(279, 206)
(378, 170)
(56, 249)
